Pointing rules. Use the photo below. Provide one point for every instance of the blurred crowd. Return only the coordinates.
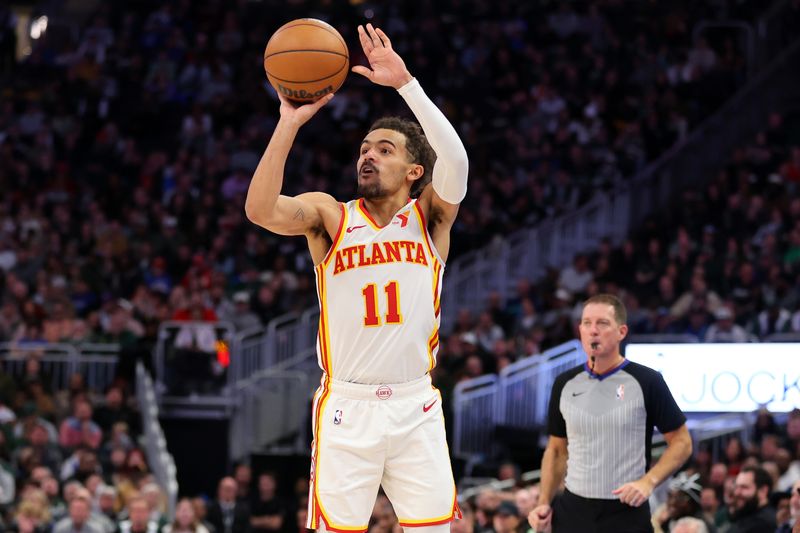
(746, 485)
(126, 144)
(70, 459)
(720, 265)
(729, 485)
(126, 148)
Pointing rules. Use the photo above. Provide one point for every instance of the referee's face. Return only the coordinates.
(600, 332)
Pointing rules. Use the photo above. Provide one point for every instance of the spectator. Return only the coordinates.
(789, 469)
(709, 505)
(114, 410)
(525, 499)
(225, 513)
(507, 519)
(186, 521)
(157, 501)
(46, 452)
(243, 474)
(31, 517)
(683, 500)
(138, 518)
(794, 507)
(576, 278)
(269, 513)
(781, 501)
(725, 329)
(751, 510)
(698, 295)
(242, 317)
(79, 429)
(78, 520)
(106, 502)
(201, 512)
(689, 524)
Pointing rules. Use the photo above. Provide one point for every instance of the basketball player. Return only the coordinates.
(379, 263)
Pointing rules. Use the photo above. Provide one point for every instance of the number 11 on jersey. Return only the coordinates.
(371, 316)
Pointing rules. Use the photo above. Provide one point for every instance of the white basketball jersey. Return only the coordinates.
(378, 291)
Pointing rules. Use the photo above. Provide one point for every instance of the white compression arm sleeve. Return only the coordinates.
(449, 176)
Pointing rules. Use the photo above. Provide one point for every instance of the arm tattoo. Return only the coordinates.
(299, 215)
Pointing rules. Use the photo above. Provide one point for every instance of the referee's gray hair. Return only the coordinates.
(697, 525)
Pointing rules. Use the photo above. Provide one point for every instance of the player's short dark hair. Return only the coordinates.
(760, 476)
(417, 145)
(620, 313)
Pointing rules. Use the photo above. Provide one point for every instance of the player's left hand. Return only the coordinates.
(634, 493)
(386, 66)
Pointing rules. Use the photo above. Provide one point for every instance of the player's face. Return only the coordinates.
(384, 165)
(599, 326)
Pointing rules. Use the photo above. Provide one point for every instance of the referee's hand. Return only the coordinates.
(634, 493)
(540, 518)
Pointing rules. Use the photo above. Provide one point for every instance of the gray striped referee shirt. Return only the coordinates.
(608, 422)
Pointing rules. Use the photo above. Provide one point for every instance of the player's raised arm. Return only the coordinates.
(449, 175)
(300, 215)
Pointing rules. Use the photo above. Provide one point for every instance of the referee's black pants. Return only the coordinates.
(576, 514)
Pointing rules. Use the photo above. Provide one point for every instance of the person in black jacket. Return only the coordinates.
(226, 514)
(751, 510)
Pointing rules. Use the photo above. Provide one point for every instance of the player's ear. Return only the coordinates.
(416, 172)
(623, 331)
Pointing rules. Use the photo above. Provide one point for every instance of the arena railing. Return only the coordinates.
(247, 355)
(97, 363)
(530, 252)
(153, 441)
(517, 397)
(524, 386)
(272, 408)
(474, 407)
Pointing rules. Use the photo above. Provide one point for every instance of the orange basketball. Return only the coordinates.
(306, 59)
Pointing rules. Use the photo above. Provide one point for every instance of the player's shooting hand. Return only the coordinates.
(300, 114)
(540, 518)
(634, 493)
(386, 66)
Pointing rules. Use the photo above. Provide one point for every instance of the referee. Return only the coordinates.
(601, 419)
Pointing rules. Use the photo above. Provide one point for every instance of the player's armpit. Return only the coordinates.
(437, 210)
(309, 214)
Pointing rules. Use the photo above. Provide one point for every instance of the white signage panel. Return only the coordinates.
(726, 377)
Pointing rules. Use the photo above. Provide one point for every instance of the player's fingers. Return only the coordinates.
(366, 42)
(376, 40)
(364, 71)
(286, 101)
(322, 101)
(386, 42)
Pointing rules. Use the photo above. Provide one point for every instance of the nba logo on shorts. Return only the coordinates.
(383, 392)
(621, 392)
(337, 417)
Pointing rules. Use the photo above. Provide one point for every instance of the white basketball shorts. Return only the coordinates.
(366, 436)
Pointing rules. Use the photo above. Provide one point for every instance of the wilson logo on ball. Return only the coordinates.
(302, 93)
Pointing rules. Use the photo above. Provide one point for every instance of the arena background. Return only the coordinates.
(648, 149)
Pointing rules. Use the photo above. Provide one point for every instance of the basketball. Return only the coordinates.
(306, 59)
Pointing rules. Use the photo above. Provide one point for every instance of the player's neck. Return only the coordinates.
(384, 209)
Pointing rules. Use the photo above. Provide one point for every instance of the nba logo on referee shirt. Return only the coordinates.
(337, 417)
(621, 392)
